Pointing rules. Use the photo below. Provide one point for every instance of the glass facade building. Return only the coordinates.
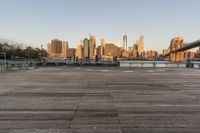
(86, 48)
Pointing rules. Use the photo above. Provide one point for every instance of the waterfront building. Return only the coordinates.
(92, 47)
(125, 45)
(55, 49)
(86, 48)
(79, 52)
(65, 47)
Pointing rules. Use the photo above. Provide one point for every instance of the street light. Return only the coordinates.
(4, 53)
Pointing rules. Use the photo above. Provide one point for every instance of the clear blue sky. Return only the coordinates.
(38, 21)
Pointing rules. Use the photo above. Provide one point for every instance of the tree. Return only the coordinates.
(44, 53)
(15, 51)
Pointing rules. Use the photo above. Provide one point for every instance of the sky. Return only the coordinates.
(37, 22)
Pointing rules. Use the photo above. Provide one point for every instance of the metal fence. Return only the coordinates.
(18, 64)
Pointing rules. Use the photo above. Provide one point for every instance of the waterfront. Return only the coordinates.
(100, 99)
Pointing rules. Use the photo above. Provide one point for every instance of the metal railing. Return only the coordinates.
(17, 64)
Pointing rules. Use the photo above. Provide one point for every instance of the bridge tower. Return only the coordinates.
(177, 43)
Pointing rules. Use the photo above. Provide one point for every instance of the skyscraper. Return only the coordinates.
(86, 48)
(141, 46)
(103, 44)
(79, 52)
(99, 51)
(125, 41)
(65, 47)
(92, 46)
(55, 49)
(110, 49)
(135, 50)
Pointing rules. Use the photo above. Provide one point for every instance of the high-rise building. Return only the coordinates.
(65, 47)
(135, 51)
(118, 52)
(92, 47)
(141, 46)
(112, 50)
(151, 54)
(125, 42)
(79, 52)
(55, 49)
(71, 52)
(138, 48)
(103, 44)
(99, 51)
(109, 49)
(86, 48)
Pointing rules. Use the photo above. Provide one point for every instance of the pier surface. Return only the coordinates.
(100, 100)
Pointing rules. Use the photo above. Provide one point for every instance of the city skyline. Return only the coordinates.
(36, 22)
(88, 50)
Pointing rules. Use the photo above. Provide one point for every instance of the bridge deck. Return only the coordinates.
(100, 100)
(186, 47)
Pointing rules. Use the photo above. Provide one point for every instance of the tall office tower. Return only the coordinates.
(112, 50)
(135, 50)
(141, 46)
(86, 48)
(125, 42)
(55, 49)
(142, 42)
(103, 44)
(79, 52)
(65, 47)
(109, 49)
(92, 46)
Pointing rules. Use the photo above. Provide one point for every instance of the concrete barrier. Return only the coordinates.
(156, 64)
(196, 64)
